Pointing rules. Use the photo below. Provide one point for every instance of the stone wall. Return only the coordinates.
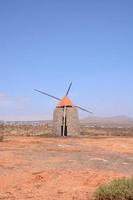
(72, 121)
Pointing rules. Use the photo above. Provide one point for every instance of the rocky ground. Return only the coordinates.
(48, 168)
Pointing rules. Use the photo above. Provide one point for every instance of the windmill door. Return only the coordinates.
(64, 127)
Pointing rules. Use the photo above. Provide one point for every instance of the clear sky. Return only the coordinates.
(47, 44)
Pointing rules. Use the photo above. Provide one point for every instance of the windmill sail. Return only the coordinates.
(65, 99)
(69, 89)
(48, 94)
(83, 109)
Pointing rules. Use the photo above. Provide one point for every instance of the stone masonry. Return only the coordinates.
(72, 121)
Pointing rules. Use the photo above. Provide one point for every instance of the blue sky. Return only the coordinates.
(47, 44)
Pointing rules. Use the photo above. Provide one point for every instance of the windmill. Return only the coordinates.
(65, 118)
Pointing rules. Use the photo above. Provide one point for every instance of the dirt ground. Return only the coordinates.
(40, 168)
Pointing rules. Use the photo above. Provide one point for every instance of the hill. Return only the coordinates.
(115, 121)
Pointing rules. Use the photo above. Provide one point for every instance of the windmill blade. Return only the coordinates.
(48, 94)
(83, 109)
(69, 89)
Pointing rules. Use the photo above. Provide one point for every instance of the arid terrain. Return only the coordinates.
(54, 168)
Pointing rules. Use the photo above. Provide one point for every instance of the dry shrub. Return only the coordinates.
(120, 189)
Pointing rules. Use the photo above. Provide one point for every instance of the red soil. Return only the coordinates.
(61, 168)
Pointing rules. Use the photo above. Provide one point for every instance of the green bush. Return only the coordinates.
(120, 189)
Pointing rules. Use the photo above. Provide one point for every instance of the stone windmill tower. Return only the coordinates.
(65, 117)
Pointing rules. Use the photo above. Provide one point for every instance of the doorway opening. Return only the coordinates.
(64, 127)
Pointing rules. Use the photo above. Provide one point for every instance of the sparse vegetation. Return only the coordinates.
(120, 189)
(1, 138)
(110, 131)
(27, 130)
(1, 132)
(46, 130)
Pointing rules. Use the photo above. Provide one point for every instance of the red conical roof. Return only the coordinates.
(65, 102)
